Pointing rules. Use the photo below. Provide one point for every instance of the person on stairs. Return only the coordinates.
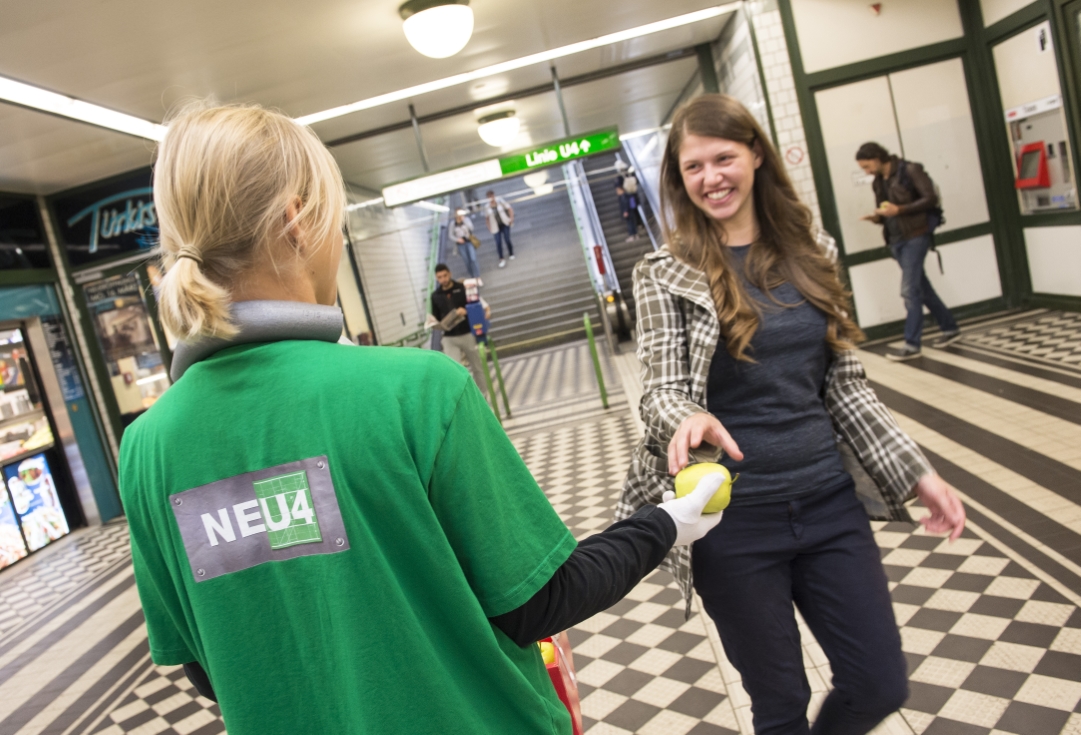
(465, 242)
(499, 216)
(628, 206)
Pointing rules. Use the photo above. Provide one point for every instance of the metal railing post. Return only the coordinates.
(499, 376)
(596, 359)
(488, 378)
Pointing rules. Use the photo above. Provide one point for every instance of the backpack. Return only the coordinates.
(935, 216)
(630, 183)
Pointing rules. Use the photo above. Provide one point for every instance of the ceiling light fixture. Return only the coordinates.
(499, 128)
(437, 28)
(536, 179)
(519, 63)
(27, 95)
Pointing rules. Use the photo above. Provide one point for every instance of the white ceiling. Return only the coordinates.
(144, 56)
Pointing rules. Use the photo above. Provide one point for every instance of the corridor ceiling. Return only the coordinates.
(144, 57)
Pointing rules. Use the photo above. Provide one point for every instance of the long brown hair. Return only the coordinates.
(785, 250)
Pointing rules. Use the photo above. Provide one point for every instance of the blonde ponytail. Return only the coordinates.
(223, 180)
(191, 304)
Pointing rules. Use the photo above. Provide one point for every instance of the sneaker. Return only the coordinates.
(947, 338)
(908, 352)
(502, 264)
(512, 257)
(632, 238)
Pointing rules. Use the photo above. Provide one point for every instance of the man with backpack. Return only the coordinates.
(907, 207)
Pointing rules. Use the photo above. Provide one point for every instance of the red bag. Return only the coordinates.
(564, 679)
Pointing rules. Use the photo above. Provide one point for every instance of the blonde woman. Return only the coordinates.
(747, 346)
(336, 539)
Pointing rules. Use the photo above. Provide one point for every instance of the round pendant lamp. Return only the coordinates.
(437, 28)
(499, 128)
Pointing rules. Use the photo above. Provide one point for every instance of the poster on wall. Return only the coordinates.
(12, 546)
(120, 317)
(37, 504)
(108, 220)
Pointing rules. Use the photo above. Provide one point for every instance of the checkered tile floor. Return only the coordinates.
(1053, 337)
(641, 667)
(990, 647)
(43, 578)
(164, 702)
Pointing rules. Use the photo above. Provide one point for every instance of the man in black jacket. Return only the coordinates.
(458, 341)
(906, 203)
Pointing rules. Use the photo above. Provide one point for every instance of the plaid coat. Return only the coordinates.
(678, 333)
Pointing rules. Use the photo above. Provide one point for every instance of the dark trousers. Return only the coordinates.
(917, 291)
(503, 234)
(818, 552)
(632, 222)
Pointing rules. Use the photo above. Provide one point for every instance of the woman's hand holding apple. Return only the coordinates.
(695, 429)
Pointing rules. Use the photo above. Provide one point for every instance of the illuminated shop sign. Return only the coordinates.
(106, 221)
(483, 172)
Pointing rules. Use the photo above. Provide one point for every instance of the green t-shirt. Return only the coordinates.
(327, 530)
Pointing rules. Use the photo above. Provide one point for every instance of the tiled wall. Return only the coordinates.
(737, 71)
(781, 88)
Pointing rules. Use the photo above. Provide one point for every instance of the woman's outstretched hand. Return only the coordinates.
(695, 429)
(947, 512)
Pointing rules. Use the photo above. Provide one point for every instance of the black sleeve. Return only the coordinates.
(597, 574)
(437, 311)
(197, 676)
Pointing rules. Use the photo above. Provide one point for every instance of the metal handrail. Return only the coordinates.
(499, 376)
(488, 379)
(596, 358)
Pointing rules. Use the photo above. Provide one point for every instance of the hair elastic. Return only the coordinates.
(189, 253)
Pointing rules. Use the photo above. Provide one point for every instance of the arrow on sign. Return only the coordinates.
(585, 146)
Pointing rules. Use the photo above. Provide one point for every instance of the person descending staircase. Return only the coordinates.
(601, 171)
(539, 297)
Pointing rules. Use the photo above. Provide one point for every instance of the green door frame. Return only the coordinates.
(94, 273)
(974, 49)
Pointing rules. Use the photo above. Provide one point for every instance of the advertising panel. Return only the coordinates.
(12, 546)
(33, 491)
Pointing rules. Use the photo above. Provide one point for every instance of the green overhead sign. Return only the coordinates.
(492, 169)
(560, 152)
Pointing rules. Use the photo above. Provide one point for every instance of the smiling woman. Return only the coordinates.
(726, 186)
(746, 340)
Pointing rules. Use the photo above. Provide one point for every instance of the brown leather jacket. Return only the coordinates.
(913, 192)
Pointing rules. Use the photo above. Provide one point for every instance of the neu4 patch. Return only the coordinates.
(275, 514)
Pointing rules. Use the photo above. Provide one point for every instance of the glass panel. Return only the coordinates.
(1032, 97)
(22, 244)
(127, 342)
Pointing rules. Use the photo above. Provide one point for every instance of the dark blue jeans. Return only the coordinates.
(818, 552)
(917, 291)
(504, 233)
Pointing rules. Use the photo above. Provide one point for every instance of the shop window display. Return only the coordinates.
(31, 512)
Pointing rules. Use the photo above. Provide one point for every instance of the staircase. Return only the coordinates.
(625, 255)
(538, 299)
